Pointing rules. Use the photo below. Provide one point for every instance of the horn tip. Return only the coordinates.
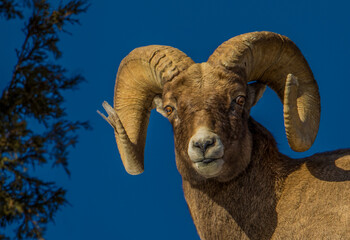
(134, 172)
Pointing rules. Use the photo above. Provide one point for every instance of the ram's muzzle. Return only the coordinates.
(206, 152)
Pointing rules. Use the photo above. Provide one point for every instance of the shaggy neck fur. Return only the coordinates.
(248, 202)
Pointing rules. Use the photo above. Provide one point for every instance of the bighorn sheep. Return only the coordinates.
(236, 183)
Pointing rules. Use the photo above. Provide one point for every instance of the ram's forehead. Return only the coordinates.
(201, 81)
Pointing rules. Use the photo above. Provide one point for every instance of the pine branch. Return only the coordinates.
(35, 93)
(9, 9)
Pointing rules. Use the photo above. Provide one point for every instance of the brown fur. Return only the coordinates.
(261, 194)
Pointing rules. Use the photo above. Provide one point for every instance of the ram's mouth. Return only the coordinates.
(209, 167)
(209, 160)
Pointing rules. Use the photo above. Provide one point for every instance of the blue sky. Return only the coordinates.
(106, 202)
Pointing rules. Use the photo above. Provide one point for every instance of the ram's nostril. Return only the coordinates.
(209, 142)
(204, 144)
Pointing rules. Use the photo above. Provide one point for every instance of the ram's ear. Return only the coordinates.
(158, 105)
(255, 92)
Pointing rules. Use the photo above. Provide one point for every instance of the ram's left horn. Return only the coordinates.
(140, 79)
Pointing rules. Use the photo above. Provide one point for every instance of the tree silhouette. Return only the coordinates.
(33, 97)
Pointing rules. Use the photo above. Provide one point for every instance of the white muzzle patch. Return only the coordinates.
(206, 151)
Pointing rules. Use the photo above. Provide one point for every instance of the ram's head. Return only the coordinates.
(208, 104)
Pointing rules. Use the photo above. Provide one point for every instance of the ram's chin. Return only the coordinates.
(209, 168)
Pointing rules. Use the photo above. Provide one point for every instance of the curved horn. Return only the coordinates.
(141, 76)
(276, 61)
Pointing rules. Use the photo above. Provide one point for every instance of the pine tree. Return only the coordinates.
(34, 94)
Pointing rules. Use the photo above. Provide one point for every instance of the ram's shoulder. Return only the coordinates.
(315, 200)
(321, 171)
(333, 166)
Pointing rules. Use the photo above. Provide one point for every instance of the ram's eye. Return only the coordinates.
(240, 100)
(169, 110)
